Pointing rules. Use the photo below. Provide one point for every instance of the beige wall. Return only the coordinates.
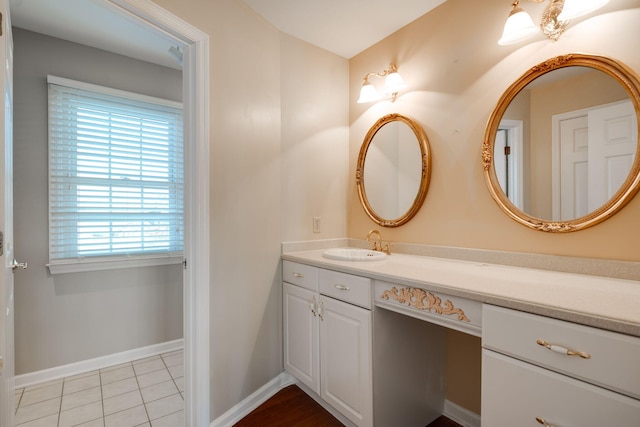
(456, 72)
(279, 152)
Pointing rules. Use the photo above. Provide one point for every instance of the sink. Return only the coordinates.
(354, 254)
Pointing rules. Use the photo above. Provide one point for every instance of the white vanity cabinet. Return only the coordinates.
(327, 337)
(541, 371)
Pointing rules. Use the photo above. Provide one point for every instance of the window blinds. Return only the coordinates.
(115, 173)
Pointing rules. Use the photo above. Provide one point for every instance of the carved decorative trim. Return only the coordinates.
(424, 300)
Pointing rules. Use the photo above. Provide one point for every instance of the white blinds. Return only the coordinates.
(115, 173)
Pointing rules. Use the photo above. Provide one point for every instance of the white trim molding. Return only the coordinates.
(257, 398)
(89, 365)
(460, 415)
(195, 75)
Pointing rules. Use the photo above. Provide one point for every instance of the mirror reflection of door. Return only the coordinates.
(508, 160)
(593, 151)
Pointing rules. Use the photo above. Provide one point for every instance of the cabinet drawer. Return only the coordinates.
(515, 393)
(613, 357)
(300, 274)
(346, 287)
(453, 312)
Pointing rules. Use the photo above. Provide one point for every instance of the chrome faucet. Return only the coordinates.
(377, 244)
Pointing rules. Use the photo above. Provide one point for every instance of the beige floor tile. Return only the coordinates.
(128, 418)
(79, 384)
(111, 368)
(158, 391)
(41, 385)
(173, 359)
(177, 371)
(146, 359)
(165, 406)
(117, 374)
(144, 425)
(172, 420)
(122, 402)
(78, 376)
(49, 421)
(149, 366)
(81, 398)
(95, 423)
(152, 378)
(40, 394)
(37, 410)
(119, 387)
(179, 383)
(81, 414)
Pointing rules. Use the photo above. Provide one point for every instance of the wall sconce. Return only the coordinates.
(392, 85)
(555, 19)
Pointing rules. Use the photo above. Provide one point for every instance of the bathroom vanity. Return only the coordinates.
(558, 349)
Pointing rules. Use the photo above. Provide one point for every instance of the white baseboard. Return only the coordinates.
(242, 409)
(83, 366)
(462, 416)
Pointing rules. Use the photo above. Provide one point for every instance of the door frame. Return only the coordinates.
(196, 199)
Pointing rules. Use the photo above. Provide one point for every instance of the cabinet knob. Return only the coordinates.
(299, 275)
(563, 350)
(342, 287)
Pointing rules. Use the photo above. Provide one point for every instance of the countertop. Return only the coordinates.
(601, 302)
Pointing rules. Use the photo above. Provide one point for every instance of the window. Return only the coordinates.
(115, 178)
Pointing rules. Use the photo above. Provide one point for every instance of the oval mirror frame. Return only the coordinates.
(423, 144)
(625, 193)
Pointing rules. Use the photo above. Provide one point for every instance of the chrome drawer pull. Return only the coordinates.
(298, 275)
(563, 350)
(342, 287)
(543, 422)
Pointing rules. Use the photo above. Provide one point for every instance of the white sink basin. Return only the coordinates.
(354, 254)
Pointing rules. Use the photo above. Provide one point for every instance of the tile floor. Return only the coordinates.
(147, 392)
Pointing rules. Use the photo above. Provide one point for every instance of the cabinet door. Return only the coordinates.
(345, 360)
(301, 335)
(515, 393)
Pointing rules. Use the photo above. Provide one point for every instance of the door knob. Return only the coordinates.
(15, 265)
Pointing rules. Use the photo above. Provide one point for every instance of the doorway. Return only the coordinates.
(196, 275)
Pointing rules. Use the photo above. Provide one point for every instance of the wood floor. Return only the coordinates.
(291, 407)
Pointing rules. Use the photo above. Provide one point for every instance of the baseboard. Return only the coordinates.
(83, 366)
(242, 409)
(462, 416)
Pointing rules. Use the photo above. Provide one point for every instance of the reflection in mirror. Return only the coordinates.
(565, 138)
(393, 170)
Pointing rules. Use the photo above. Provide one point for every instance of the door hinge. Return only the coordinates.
(184, 263)
(507, 150)
(1, 16)
(1, 243)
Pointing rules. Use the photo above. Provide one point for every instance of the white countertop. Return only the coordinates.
(602, 302)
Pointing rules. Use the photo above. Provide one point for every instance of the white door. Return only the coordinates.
(7, 395)
(301, 335)
(345, 360)
(613, 135)
(597, 148)
(574, 169)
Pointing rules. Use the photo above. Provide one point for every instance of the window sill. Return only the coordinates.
(112, 263)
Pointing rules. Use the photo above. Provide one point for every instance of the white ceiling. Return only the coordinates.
(345, 27)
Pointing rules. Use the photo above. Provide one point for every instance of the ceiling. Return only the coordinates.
(344, 27)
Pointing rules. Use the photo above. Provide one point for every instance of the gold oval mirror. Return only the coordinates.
(560, 149)
(392, 174)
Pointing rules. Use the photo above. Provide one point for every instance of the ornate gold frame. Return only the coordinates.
(423, 142)
(629, 188)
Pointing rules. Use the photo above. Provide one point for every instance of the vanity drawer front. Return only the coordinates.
(613, 361)
(453, 312)
(346, 287)
(515, 393)
(300, 274)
